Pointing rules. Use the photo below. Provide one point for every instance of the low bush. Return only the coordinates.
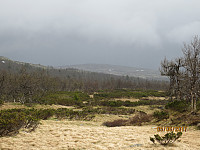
(45, 114)
(116, 123)
(65, 98)
(13, 120)
(140, 118)
(117, 111)
(167, 138)
(160, 115)
(112, 103)
(63, 113)
(109, 110)
(119, 103)
(127, 94)
(180, 106)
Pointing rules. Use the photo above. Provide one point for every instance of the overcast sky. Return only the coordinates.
(138, 33)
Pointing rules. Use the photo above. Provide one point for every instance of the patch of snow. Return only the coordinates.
(3, 62)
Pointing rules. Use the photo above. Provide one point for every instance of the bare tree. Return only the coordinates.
(192, 67)
(184, 73)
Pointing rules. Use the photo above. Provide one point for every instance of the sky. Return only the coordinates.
(135, 33)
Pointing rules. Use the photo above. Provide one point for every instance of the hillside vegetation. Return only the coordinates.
(91, 113)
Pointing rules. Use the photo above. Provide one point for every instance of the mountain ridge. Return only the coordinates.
(144, 73)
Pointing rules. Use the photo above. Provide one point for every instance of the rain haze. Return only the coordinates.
(119, 32)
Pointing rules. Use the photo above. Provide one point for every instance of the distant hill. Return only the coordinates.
(6, 63)
(88, 77)
(119, 70)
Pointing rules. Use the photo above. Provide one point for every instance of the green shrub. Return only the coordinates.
(13, 120)
(180, 106)
(64, 113)
(65, 98)
(112, 103)
(45, 114)
(61, 113)
(119, 103)
(160, 115)
(109, 110)
(119, 94)
(128, 94)
(167, 138)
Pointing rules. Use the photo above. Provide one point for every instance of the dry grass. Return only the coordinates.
(100, 118)
(127, 99)
(143, 98)
(51, 106)
(19, 106)
(65, 135)
(155, 98)
(91, 135)
(12, 106)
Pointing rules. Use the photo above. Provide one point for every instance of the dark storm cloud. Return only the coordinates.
(122, 32)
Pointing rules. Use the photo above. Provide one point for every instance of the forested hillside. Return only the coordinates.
(26, 82)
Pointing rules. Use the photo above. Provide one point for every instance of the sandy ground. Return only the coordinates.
(78, 135)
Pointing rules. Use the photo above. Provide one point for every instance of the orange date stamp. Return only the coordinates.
(170, 129)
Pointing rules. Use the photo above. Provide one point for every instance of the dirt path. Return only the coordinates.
(78, 135)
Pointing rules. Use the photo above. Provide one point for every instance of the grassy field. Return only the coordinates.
(77, 135)
(82, 125)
